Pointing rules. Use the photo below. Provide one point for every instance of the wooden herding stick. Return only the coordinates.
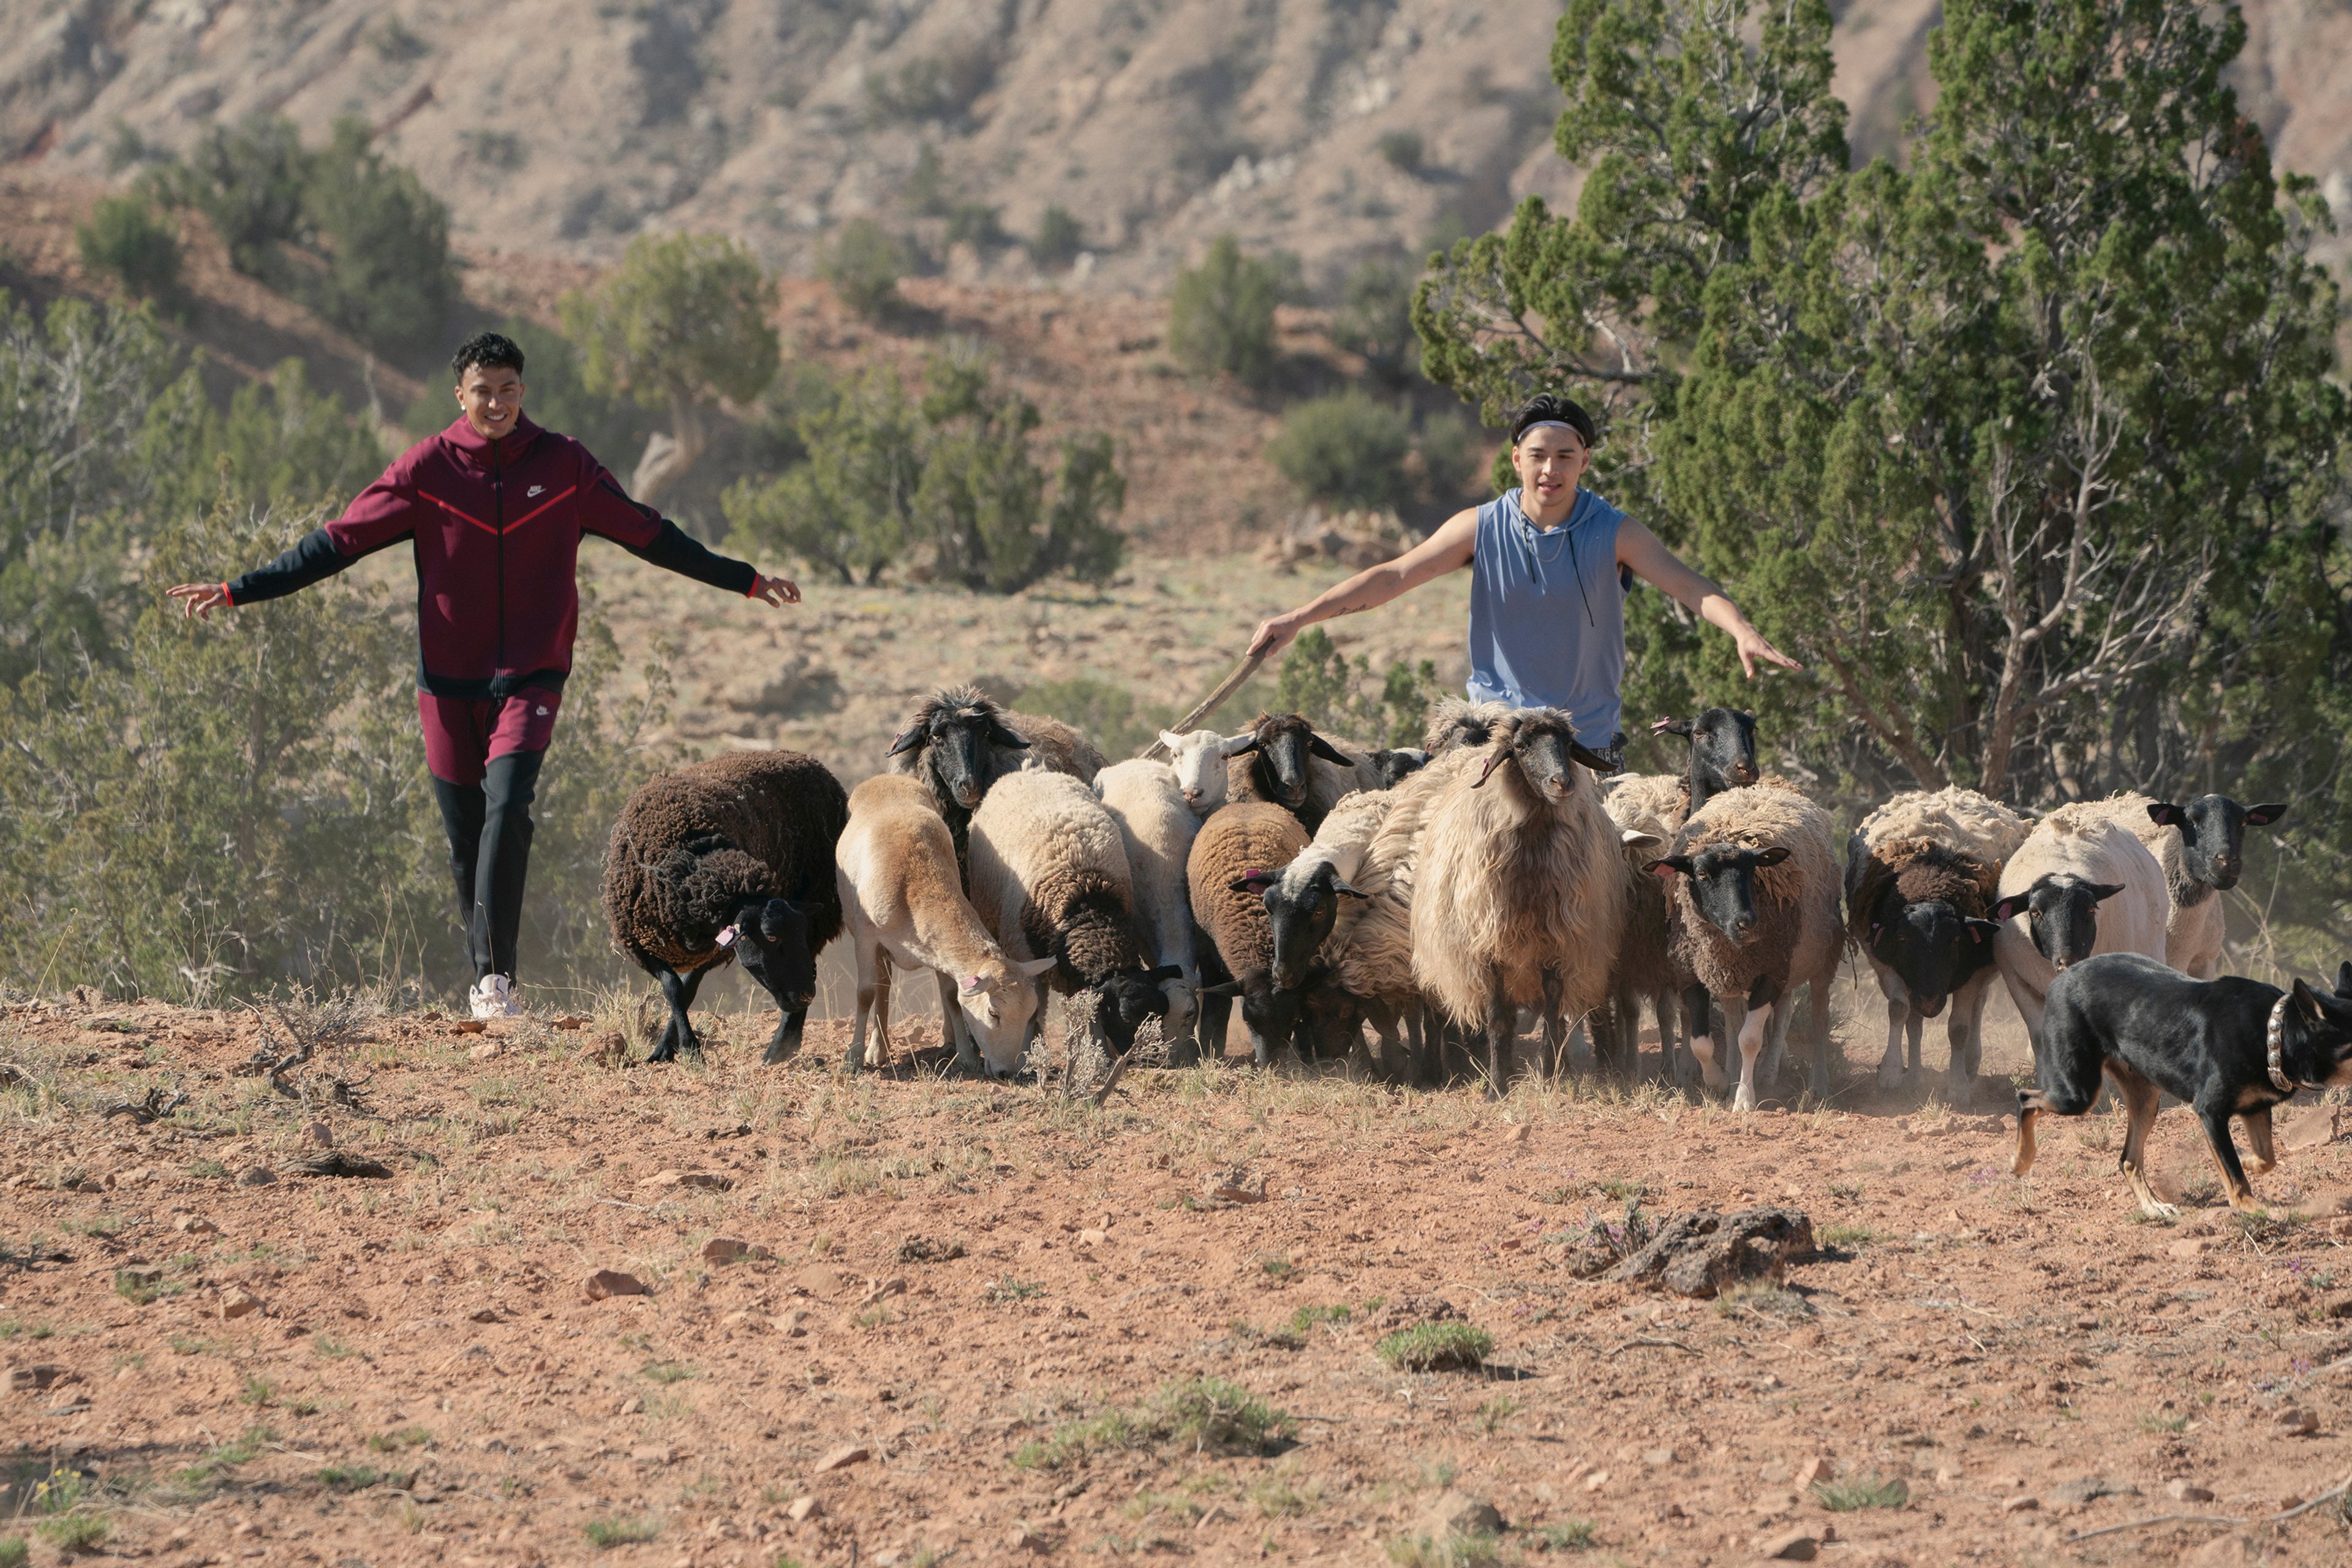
(1226, 688)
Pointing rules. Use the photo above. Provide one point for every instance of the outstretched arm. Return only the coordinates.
(1651, 562)
(378, 516)
(1447, 550)
(606, 509)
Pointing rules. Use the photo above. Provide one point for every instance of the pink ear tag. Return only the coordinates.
(726, 938)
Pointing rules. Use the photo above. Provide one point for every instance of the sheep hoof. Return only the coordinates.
(1743, 1099)
(1890, 1075)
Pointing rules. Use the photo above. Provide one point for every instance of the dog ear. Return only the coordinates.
(2266, 814)
(2165, 814)
(2306, 1002)
(2101, 891)
(2344, 979)
(1774, 855)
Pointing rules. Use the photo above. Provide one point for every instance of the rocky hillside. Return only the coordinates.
(1331, 128)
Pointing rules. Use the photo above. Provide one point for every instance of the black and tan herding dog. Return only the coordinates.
(2227, 1048)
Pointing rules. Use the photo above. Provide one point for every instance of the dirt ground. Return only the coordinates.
(973, 1318)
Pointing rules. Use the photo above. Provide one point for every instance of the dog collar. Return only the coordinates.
(2279, 1078)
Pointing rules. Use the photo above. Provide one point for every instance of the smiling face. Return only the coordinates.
(1549, 460)
(491, 398)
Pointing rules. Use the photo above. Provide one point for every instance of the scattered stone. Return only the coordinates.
(793, 1325)
(318, 1135)
(804, 1509)
(1813, 1469)
(2298, 1422)
(337, 1163)
(1790, 1546)
(728, 1249)
(239, 1303)
(2090, 1489)
(1596, 1480)
(255, 1176)
(2021, 1505)
(1658, 1457)
(630, 1406)
(195, 1225)
(877, 1289)
(922, 1249)
(470, 1025)
(1093, 1238)
(143, 1276)
(28, 1379)
(1235, 1185)
(710, 1181)
(1412, 1311)
(1702, 1252)
(2188, 1491)
(2232, 1550)
(1027, 1539)
(486, 1050)
(1458, 1513)
(818, 1281)
(485, 1315)
(653, 1454)
(842, 1458)
(609, 1282)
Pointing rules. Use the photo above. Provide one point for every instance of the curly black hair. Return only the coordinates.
(1547, 406)
(491, 351)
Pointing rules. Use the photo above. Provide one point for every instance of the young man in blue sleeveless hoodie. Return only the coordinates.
(1546, 605)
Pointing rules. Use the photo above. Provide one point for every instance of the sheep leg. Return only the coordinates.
(1890, 1065)
(952, 1024)
(1501, 1019)
(882, 977)
(1555, 1031)
(1776, 1029)
(1675, 1061)
(1966, 1037)
(1420, 1061)
(1754, 1018)
(1216, 1021)
(680, 989)
(1698, 1008)
(1824, 1047)
(869, 965)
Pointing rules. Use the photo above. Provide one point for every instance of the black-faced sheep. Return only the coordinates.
(1520, 896)
(904, 903)
(1722, 754)
(1303, 900)
(1645, 968)
(960, 740)
(1049, 876)
(1392, 765)
(2202, 849)
(729, 859)
(1158, 829)
(1922, 874)
(1755, 896)
(2081, 883)
(1274, 761)
(1238, 853)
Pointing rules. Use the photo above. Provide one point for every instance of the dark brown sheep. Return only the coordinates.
(726, 858)
(1237, 855)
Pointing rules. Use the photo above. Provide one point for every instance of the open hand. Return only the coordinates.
(1752, 646)
(199, 600)
(775, 590)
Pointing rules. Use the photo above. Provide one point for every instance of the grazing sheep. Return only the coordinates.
(1274, 761)
(1302, 903)
(1645, 968)
(1049, 876)
(959, 740)
(1157, 829)
(729, 859)
(2081, 883)
(1722, 755)
(1755, 894)
(1238, 853)
(1520, 896)
(1922, 873)
(2204, 858)
(904, 902)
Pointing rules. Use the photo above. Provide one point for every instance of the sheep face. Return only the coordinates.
(955, 736)
(1723, 748)
(997, 1007)
(1199, 759)
(1723, 884)
(1282, 744)
(1301, 916)
(772, 944)
(2061, 915)
(1394, 766)
(2213, 835)
(1932, 949)
(1126, 997)
(1543, 747)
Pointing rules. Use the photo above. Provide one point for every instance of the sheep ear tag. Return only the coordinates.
(726, 938)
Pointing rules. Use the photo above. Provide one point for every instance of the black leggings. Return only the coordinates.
(490, 850)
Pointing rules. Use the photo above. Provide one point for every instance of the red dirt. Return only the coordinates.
(1982, 1339)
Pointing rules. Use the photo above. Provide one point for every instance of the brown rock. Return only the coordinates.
(877, 1289)
(710, 1181)
(195, 1225)
(318, 1135)
(1701, 1253)
(2021, 1505)
(485, 1315)
(609, 1282)
(653, 1454)
(842, 1458)
(1027, 1539)
(1790, 1546)
(818, 1281)
(255, 1176)
(27, 1379)
(727, 1249)
(804, 1508)
(238, 1303)
(2187, 1491)
(2297, 1423)
(1655, 1456)
(1813, 1469)
(1233, 1186)
(1458, 1513)
(2232, 1550)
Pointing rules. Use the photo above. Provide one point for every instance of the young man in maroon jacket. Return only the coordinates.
(493, 509)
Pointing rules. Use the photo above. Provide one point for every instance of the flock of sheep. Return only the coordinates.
(1434, 894)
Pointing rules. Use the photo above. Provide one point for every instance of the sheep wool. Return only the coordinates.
(1049, 874)
(1961, 819)
(1798, 934)
(1245, 836)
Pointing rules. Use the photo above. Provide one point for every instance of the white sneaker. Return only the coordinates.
(494, 997)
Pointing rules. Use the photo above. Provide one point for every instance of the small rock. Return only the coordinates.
(2086, 1322)
(793, 1325)
(143, 1276)
(878, 1288)
(630, 1406)
(239, 1303)
(1672, 1510)
(27, 1379)
(1779, 1474)
(1811, 1470)
(318, 1136)
(486, 1050)
(1091, 1238)
(1234, 1186)
(195, 1225)
(485, 1315)
(609, 1282)
(2297, 1423)
(2188, 1491)
(804, 1509)
(255, 1176)
(710, 1181)
(842, 1458)
(2188, 1250)
(653, 1454)
(745, 1320)
(2021, 1505)
(1659, 1457)
(2090, 1489)
(1027, 1539)
(727, 1249)
(818, 1281)
(1596, 1480)
(1791, 1546)
(2231, 1550)
(1458, 1513)
(1702, 1252)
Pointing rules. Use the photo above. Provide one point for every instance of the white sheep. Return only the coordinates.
(1197, 758)
(1157, 827)
(1520, 896)
(895, 868)
(2081, 883)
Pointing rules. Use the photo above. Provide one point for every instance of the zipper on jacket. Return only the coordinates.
(499, 516)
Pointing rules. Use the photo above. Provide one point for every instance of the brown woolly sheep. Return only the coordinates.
(1645, 969)
(1236, 856)
(729, 859)
(1756, 915)
(1921, 876)
(1520, 896)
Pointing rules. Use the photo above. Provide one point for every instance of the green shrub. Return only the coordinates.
(1374, 316)
(285, 445)
(1862, 1491)
(390, 281)
(349, 1478)
(1202, 1415)
(1058, 240)
(976, 223)
(251, 182)
(1432, 1347)
(1221, 314)
(1401, 149)
(606, 1534)
(16, 1552)
(1340, 698)
(1346, 449)
(864, 264)
(1105, 712)
(126, 239)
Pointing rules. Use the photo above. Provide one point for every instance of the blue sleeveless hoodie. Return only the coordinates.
(1548, 614)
